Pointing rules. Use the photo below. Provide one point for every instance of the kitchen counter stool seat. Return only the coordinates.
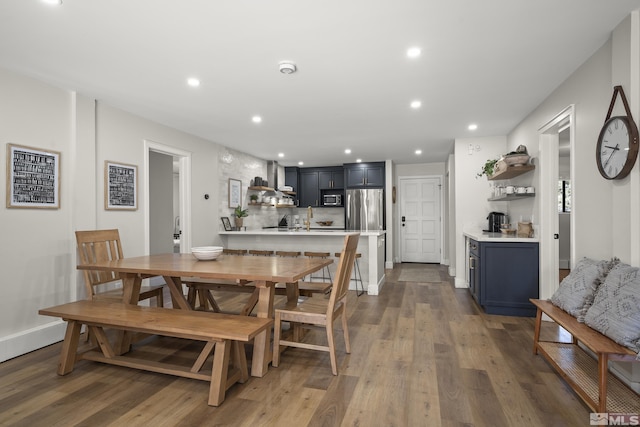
(234, 251)
(260, 253)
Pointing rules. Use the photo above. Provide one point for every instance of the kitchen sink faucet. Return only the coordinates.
(309, 216)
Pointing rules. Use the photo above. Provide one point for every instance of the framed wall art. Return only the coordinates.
(235, 192)
(120, 186)
(33, 178)
(226, 222)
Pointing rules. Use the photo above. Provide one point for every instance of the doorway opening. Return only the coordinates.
(558, 132)
(180, 165)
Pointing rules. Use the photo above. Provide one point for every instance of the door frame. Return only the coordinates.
(399, 217)
(548, 137)
(184, 185)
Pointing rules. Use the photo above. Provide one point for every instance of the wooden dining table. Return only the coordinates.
(264, 272)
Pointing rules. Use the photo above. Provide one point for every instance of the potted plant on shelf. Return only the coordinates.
(254, 199)
(487, 168)
(240, 213)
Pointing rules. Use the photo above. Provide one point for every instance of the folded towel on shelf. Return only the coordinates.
(286, 188)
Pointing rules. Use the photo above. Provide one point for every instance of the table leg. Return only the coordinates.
(177, 296)
(262, 341)
(131, 283)
(293, 293)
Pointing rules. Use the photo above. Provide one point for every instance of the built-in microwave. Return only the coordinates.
(332, 200)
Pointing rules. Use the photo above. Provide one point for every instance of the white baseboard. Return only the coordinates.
(375, 289)
(461, 283)
(388, 265)
(32, 339)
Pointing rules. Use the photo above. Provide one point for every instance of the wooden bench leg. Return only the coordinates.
(536, 333)
(219, 372)
(240, 361)
(603, 370)
(69, 347)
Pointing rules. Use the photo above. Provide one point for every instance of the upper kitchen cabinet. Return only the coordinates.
(309, 191)
(315, 183)
(331, 178)
(365, 175)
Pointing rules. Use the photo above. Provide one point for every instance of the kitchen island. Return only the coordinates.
(371, 245)
(502, 272)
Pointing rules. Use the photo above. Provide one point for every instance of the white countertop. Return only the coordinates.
(483, 236)
(317, 232)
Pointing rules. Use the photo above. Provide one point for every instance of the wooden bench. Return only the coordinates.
(588, 377)
(220, 332)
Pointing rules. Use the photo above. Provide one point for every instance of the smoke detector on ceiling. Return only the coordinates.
(288, 67)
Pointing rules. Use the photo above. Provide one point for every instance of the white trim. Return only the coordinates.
(547, 194)
(184, 183)
(31, 339)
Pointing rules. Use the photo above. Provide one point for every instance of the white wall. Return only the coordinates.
(39, 254)
(471, 192)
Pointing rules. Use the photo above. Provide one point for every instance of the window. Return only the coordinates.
(564, 196)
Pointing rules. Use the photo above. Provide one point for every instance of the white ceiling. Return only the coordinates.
(489, 62)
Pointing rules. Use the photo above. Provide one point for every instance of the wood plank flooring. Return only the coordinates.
(423, 354)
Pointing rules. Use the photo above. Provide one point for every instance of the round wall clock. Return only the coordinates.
(617, 147)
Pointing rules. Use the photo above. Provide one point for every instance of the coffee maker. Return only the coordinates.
(496, 219)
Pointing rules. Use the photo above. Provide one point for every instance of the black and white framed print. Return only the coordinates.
(120, 186)
(235, 192)
(226, 222)
(33, 178)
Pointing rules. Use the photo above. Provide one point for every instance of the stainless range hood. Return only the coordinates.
(272, 179)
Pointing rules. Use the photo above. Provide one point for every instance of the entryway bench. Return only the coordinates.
(588, 377)
(220, 332)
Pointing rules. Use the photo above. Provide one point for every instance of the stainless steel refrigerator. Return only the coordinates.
(364, 209)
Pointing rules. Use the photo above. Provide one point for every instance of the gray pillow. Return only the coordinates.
(575, 293)
(616, 307)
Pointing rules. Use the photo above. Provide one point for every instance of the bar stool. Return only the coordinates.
(326, 273)
(288, 253)
(234, 251)
(260, 252)
(357, 276)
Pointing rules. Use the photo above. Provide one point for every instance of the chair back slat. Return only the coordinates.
(94, 246)
(343, 271)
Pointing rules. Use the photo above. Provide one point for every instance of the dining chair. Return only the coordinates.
(318, 312)
(102, 245)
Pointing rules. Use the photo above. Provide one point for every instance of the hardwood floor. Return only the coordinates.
(423, 354)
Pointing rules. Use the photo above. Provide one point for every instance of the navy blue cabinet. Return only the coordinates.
(505, 277)
(364, 175)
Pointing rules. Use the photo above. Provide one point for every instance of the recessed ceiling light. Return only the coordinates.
(347, 151)
(473, 126)
(53, 2)
(300, 163)
(256, 119)
(358, 160)
(193, 82)
(414, 52)
(280, 154)
(418, 152)
(416, 104)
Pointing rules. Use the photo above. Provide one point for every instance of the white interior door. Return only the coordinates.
(420, 219)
